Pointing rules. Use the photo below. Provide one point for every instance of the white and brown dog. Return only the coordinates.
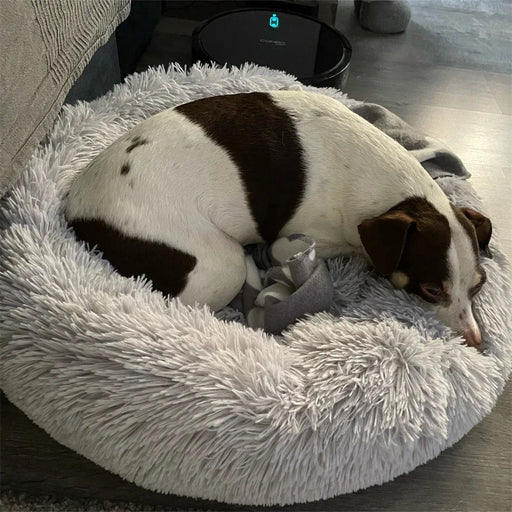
(178, 196)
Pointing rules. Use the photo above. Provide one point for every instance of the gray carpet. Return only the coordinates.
(11, 502)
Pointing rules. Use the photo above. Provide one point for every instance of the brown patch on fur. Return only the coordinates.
(477, 226)
(166, 266)
(413, 237)
(384, 239)
(261, 139)
(425, 256)
(125, 169)
(136, 141)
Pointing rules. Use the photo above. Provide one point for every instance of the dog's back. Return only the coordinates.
(256, 165)
(177, 197)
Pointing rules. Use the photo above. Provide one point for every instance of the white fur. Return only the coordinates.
(458, 314)
(183, 189)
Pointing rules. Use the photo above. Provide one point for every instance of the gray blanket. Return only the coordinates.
(44, 47)
(285, 280)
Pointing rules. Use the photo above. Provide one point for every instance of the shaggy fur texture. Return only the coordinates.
(180, 401)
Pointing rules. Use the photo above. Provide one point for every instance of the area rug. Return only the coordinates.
(179, 400)
(14, 502)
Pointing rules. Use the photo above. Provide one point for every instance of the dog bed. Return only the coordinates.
(181, 401)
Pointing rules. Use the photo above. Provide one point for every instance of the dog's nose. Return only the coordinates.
(473, 337)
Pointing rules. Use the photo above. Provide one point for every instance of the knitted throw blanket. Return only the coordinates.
(44, 47)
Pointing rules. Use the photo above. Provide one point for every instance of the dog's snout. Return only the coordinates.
(466, 325)
(460, 318)
(473, 337)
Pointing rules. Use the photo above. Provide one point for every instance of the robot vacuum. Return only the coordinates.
(311, 50)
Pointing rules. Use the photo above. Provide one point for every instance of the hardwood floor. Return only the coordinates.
(447, 75)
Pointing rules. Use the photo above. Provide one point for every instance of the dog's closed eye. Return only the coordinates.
(434, 293)
(480, 279)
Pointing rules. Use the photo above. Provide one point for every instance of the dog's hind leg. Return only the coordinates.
(219, 272)
(204, 267)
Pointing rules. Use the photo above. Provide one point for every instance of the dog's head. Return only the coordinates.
(433, 255)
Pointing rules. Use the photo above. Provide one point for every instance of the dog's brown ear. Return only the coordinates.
(482, 224)
(384, 238)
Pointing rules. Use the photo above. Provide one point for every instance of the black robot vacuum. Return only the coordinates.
(311, 50)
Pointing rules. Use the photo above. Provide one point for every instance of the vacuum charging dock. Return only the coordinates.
(311, 50)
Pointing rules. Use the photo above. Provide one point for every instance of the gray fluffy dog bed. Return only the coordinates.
(180, 401)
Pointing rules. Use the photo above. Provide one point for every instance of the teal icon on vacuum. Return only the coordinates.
(274, 21)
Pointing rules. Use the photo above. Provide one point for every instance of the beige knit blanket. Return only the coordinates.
(44, 47)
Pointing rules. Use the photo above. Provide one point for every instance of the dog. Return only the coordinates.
(178, 196)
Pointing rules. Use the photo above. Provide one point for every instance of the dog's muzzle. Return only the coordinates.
(473, 337)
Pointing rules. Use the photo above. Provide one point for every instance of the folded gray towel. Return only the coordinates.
(432, 154)
(285, 281)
